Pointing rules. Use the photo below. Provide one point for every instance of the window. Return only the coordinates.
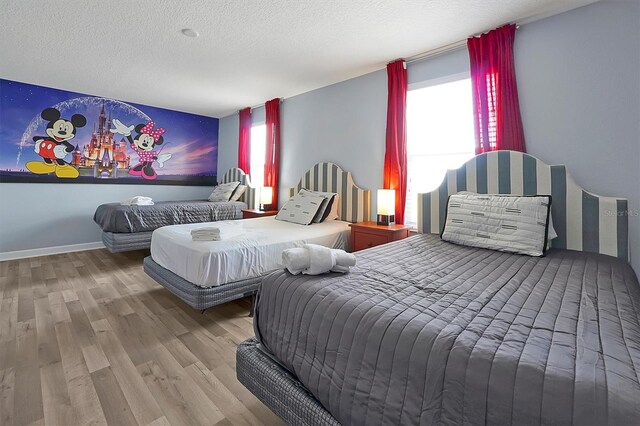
(440, 136)
(258, 152)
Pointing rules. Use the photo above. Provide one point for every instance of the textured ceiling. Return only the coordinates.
(248, 51)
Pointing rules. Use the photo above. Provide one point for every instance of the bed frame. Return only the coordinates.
(198, 297)
(117, 242)
(355, 207)
(583, 222)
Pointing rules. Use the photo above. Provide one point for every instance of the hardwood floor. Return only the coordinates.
(89, 338)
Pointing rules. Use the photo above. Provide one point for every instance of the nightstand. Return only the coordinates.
(369, 234)
(251, 213)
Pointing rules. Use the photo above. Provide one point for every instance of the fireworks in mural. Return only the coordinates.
(50, 135)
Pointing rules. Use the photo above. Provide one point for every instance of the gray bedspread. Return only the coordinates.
(114, 217)
(426, 332)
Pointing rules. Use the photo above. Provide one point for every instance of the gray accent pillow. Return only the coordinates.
(301, 208)
(507, 223)
(326, 206)
(238, 192)
(223, 192)
(332, 209)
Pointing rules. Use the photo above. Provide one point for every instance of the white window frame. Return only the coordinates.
(439, 80)
(430, 83)
(257, 179)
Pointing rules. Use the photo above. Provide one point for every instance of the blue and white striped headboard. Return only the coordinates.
(583, 221)
(235, 174)
(354, 202)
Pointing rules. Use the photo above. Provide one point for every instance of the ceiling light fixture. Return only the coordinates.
(189, 32)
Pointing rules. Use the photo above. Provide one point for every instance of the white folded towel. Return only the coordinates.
(217, 233)
(312, 259)
(138, 200)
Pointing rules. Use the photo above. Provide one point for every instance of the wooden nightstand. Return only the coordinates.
(251, 213)
(369, 234)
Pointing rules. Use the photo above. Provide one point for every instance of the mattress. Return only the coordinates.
(116, 218)
(424, 331)
(256, 253)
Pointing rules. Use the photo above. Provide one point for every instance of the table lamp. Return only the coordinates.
(386, 207)
(266, 196)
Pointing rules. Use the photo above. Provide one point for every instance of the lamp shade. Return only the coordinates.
(266, 195)
(386, 202)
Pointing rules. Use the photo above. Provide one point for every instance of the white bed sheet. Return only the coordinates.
(257, 252)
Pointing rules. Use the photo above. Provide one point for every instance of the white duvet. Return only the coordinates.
(256, 252)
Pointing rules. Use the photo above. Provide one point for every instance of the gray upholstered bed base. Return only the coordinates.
(278, 389)
(118, 242)
(198, 297)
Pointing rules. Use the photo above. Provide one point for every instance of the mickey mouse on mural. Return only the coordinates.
(55, 146)
(143, 143)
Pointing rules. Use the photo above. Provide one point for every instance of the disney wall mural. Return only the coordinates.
(49, 135)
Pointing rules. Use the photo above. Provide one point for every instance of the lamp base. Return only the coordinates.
(386, 219)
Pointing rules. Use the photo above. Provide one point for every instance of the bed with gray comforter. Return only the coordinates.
(113, 217)
(130, 227)
(423, 331)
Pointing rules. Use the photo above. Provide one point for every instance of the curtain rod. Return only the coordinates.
(443, 49)
(257, 106)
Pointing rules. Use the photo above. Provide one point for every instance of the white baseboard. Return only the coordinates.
(46, 251)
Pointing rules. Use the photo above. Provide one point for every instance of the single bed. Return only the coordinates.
(423, 331)
(207, 273)
(126, 228)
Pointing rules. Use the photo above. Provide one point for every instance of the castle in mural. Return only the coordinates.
(103, 156)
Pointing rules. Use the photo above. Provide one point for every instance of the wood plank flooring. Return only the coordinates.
(89, 338)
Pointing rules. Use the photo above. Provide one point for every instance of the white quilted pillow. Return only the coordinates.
(223, 192)
(499, 222)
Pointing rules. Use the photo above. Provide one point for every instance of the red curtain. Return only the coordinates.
(244, 141)
(395, 157)
(498, 123)
(272, 157)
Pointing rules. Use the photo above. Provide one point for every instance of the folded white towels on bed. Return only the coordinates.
(312, 259)
(138, 200)
(217, 233)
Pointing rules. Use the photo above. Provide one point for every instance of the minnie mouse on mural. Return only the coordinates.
(143, 143)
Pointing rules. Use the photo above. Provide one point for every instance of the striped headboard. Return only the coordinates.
(354, 202)
(583, 221)
(235, 174)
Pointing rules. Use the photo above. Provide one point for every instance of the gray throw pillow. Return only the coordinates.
(300, 209)
(238, 192)
(325, 207)
(223, 192)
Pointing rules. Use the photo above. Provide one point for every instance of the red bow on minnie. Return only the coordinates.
(155, 134)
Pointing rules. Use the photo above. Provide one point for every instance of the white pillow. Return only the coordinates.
(223, 191)
(238, 192)
(300, 209)
(506, 223)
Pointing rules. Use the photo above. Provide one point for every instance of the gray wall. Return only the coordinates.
(579, 93)
(48, 215)
(579, 86)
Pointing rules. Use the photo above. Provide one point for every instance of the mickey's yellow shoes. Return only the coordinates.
(40, 168)
(67, 171)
